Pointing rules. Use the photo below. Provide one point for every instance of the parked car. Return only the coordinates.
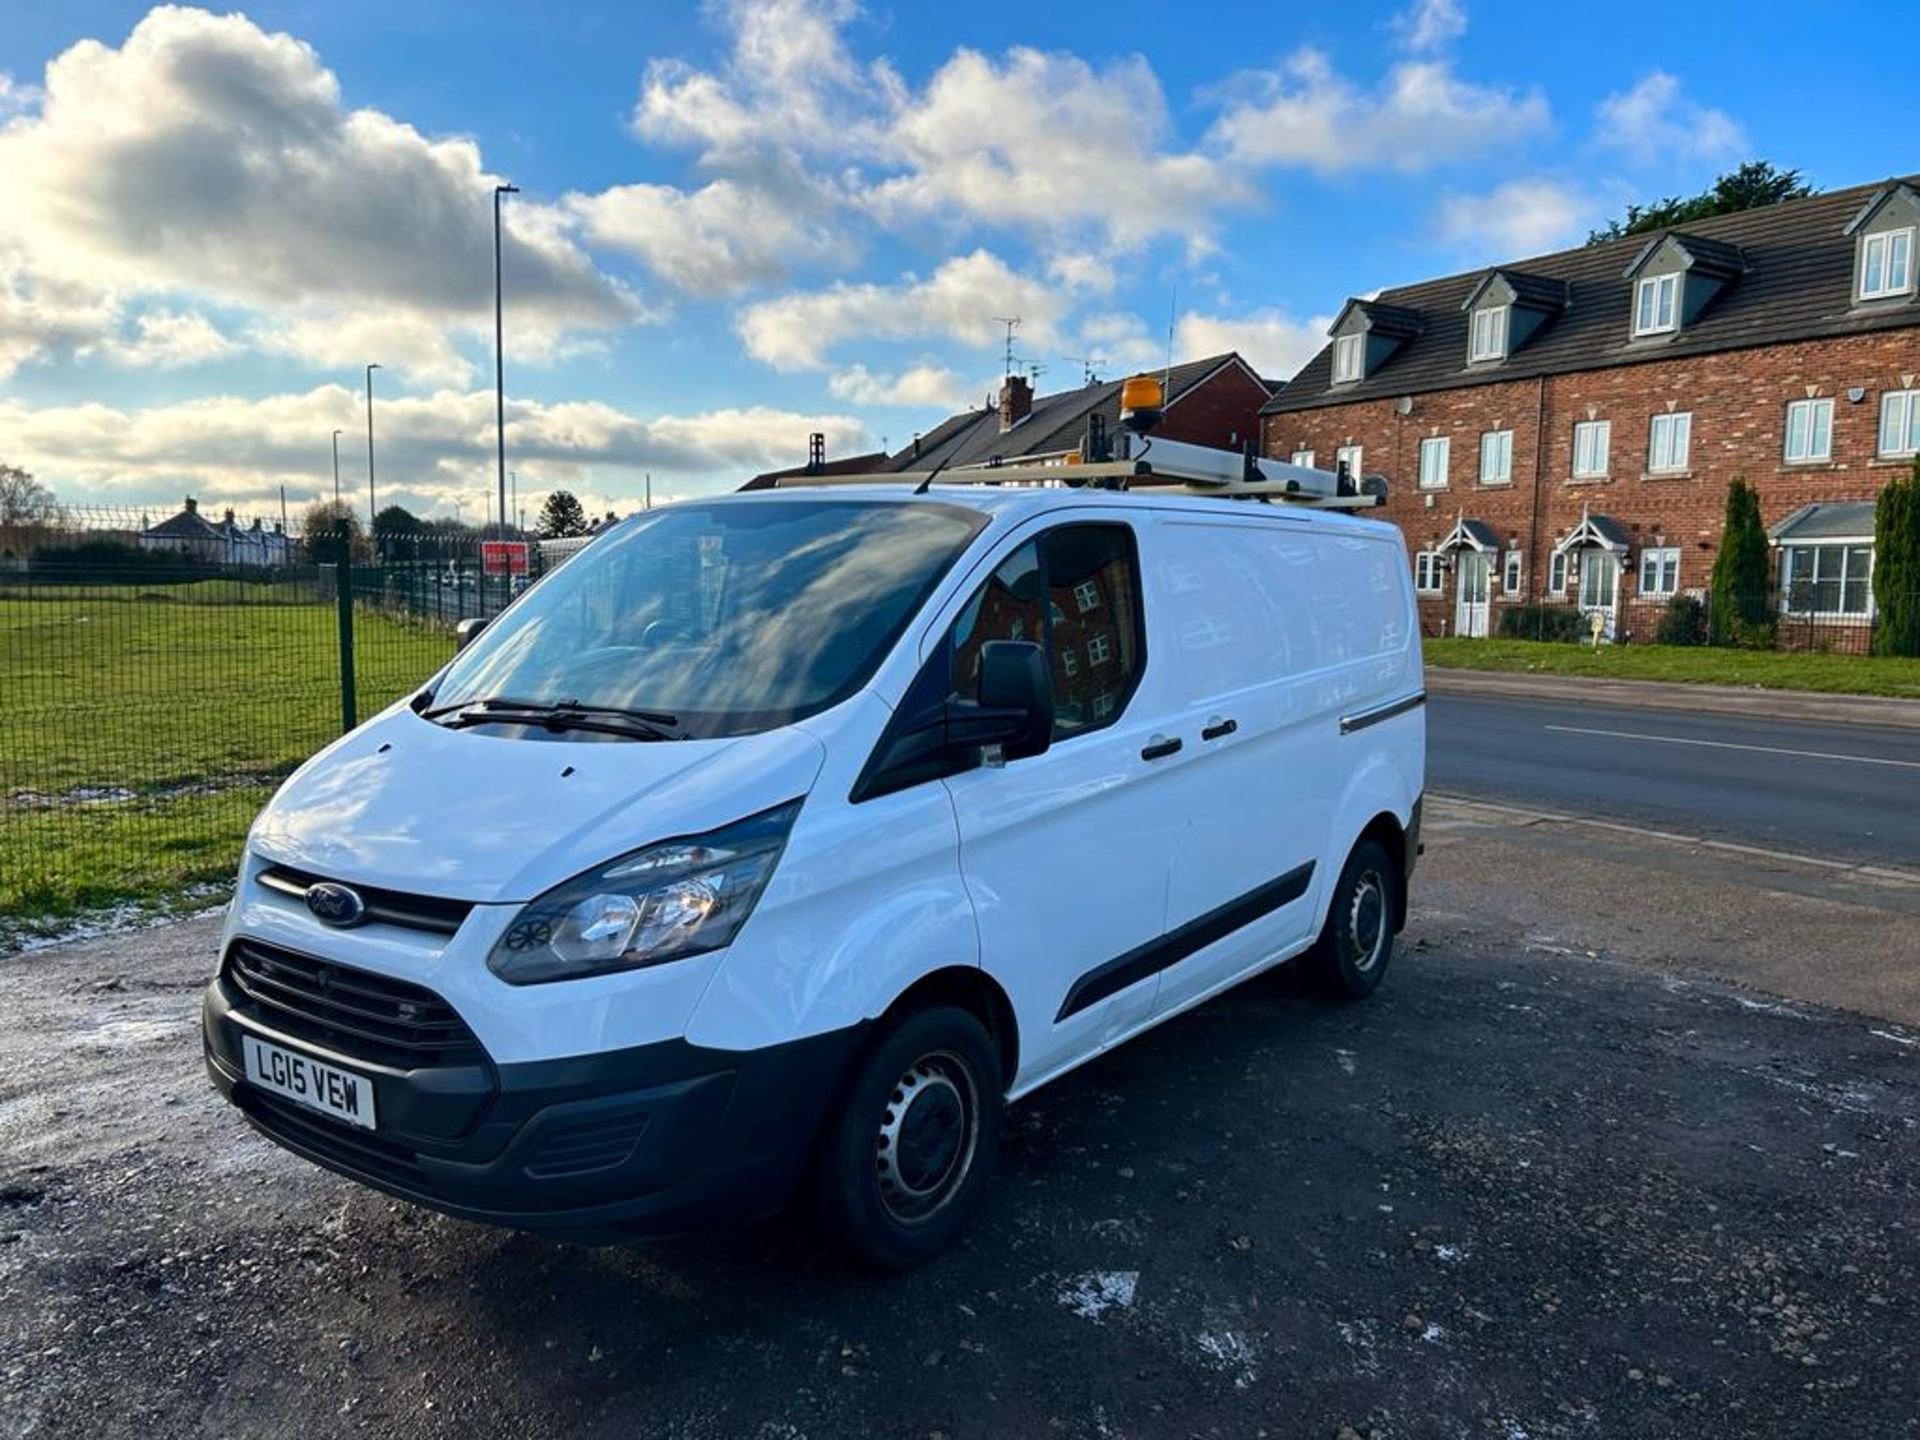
(777, 842)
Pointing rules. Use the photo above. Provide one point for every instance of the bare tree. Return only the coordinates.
(24, 500)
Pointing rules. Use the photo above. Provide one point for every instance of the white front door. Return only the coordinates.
(1472, 578)
(1600, 587)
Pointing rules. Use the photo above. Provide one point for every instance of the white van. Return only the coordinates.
(775, 842)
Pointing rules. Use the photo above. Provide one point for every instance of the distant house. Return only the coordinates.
(226, 543)
(818, 464)
(1215, 401)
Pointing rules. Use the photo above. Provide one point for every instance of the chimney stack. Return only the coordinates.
(1016, 401)
(193, 506)
(816, 453)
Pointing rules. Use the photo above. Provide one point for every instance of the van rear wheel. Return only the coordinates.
(1350, 958)
(905, 1160)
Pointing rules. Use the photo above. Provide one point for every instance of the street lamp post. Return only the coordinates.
(370, 369)
(336, 469)
(499, 358)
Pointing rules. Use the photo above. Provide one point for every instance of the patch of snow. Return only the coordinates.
(1907, 1040)
(1433, 1334)
(1448, 1254)
(1769, 1006)
(1229, 1352)
(1093, 1294)
(1345, 1058)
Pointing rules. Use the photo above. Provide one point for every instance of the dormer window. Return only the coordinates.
(1349, 358)
(1676, 278)
(1656, 307)
(1489, 338)
(1886, 264)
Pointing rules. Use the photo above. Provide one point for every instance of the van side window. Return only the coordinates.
(1077, 592)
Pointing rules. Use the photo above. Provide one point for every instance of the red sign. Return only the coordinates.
(503, 557)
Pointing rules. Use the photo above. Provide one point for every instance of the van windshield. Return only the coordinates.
(725, 617)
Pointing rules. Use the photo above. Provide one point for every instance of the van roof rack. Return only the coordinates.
(1169, 466)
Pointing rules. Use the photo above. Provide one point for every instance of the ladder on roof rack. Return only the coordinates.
(1169, 467)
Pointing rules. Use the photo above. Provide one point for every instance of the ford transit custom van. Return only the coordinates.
(774, 844)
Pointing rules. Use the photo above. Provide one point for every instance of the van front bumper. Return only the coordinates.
(646, 1142)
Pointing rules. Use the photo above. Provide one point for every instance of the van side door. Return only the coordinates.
(1237, 638)
(1064, 854)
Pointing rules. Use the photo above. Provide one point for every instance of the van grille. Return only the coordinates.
(356, 1151)
(385, 1021)
(385, 907)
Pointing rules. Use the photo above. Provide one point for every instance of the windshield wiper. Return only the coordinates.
(562, 715)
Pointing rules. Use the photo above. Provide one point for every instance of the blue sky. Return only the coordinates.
(747, 220)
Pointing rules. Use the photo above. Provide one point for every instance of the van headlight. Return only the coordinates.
(666, 902)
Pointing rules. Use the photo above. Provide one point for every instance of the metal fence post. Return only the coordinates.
(343, 596)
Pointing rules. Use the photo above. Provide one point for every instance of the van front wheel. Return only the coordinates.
(1352, 953)
(906, 1159)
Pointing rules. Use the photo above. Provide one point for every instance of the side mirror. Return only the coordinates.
(1014, 683)
(466, 632)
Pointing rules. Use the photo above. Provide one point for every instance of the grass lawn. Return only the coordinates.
(138, 737)
(1684, 664)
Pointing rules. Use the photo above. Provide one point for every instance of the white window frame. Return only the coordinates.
(1502, 445)
(1352, 455)
(1649, 297)
(1596, 567)
(1814, 409)
(1099, 650)
(1434, 477)
(1557, 573)
(1664, 563)
(1487, 334)
(1903, 407)
(1103, 705)
(1086, 595)
(1301, 457)
(1349, 358)
(1429, 572)
(1069, 661)
(1600, 450)
(1511, 571)
(1788, 550)
(1894, 245)
(1669, 442)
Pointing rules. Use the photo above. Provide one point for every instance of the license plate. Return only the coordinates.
(310, 1082)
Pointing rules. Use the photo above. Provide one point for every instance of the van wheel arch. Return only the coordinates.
(976, 992)
(1392, 837)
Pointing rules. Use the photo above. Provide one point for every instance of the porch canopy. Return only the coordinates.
(1827, 522)
(1474, 535)
(1595, 532)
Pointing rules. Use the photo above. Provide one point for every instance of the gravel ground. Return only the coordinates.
(1554, 1180)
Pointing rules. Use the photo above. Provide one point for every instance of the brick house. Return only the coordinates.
(1564, 428)
(1215, 401)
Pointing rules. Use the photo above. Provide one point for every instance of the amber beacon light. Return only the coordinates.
(1142, 403)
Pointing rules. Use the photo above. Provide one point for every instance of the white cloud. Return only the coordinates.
(1271, 341)
(716, 240)
(1513, 220)
(1653, 121)
(415, 346)
(206, 156)
(1041, 142)
(15, 97)
(1429, 25)
(1306, 114)
(166, 340)
(927, 386)
(438, 447)
(1047, 143)
(958, 302)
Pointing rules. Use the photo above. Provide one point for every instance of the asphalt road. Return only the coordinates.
(1840, 791)
(1554, 1180)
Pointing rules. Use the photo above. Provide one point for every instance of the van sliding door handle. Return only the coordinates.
(1217, 727)
(1159, 747)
